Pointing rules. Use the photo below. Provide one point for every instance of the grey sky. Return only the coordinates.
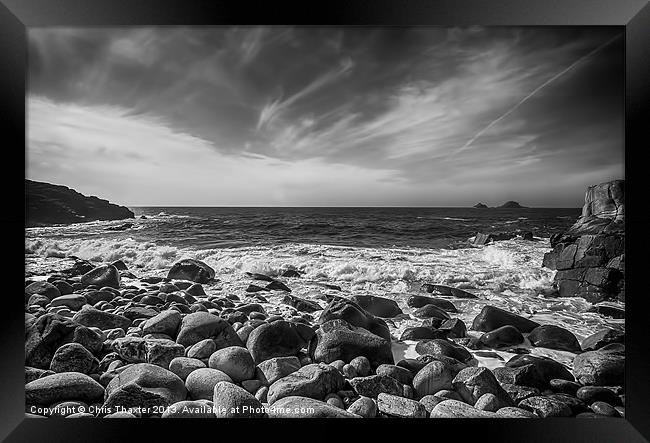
(327, 116)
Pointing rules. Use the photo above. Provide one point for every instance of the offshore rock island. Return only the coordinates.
(198, 338)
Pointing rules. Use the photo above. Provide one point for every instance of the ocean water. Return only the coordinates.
(382, 251)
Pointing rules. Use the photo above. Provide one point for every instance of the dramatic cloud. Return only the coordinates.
(327, 116)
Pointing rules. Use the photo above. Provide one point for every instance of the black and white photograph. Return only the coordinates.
(325, 222)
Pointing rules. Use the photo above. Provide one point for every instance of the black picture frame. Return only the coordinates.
(633, 15)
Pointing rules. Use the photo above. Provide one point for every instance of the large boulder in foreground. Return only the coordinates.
(278, 339)
(44, 337)
(600, 368)
(192, 270)
(91, 317)
(48, 204)
(313, 381)
(491, 318)
(353, 313)
(339, 340)
(379, 306)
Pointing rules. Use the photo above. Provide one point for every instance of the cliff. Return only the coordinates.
(590, 255)
(48, 204)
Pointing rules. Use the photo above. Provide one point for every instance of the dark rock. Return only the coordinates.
(48, 204)
(135, 312)
(201, 325)
(546, 407)
(44, 337)
(371, 386)
(232, 401)
(105, 275)
(351, 312)
(602, 338)
(471, 383)
(184, 366)
(157, 351)
(167, 322)
(291, 273)
(89, 316)
(554, 337)
(480, 206)
(560, 386)
(432, 378)
(609, 310)
(603, 408)
(511, 205)
(440, 347)
(526, 375)
(62, 387)
(120, 227)
(32, 374)
(400, 374)
(491, 318)
(361, 365)
(313, 381)
(447, 290)
(302, 304)
(43, 288)
(455, 328)
(192, 270)
(276, 368)
(421, 333)
(339, 340)
(591, 394)
(276, 285)
(576, 405)
(255, 288)
(278, 339)
(379, 306)
(516, 392)
(73, 357)
(546, 367)
(502, 337)
(418, 301)
(428, 311)
(600, 368)
(397, 406)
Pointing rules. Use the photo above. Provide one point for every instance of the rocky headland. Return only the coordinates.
(48, 204)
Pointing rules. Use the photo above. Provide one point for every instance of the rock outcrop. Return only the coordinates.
(590, 255)
(511, 204)
(49, 204)
(480, 206)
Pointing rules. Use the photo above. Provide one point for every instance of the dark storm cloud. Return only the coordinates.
(431, 116)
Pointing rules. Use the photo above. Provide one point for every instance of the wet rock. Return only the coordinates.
(91, 317)
(105, 275)
(602, 408)
(373, 385)
(546, 367)
(518, 393)
(432, 378)
(546, 407)
(302, 304)
(526, 375)
(379, 306)
(418, 301)
(400, 407)
(471, 383)
(351, 312)
(72, 301)
(554, 337)
(440, 347)
(201, 325)
(422, 333)
(278, 339)
(564, 386)
(447, 290)
(513, 412)
(73, 357)
(428, 311)
(491, 318)
(339, 340)
(304, 407)
(235, 361)
(600, 368)
(602, 338)
(458, 409)
(192, 270)
(200, 383)
(62, 387)
(277, 285)
(591, 394)
(576, 405)
(291, 273)
(313, 381)
(455, 328)
(502, 337)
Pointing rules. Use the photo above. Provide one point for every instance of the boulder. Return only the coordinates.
(276, 368)
(513, 412)
(401, 407)
(339, 340)
(232, 401)
(184, 366)
(63, 387)
(305, 407)
(546, 367)
(201, 382)
(201, 325)
(516, 392)
(526, 375)
(454, 328)
(192, 270)
(73, 357)
(105, 275)
(157, 351)
(301, 304)
(373, 385)
(91, 317)
(546, 407)
(422, 333)
(72, 301)
(471, 383)
(418, 301)
(313, 381)
(44, 336)
(363, 406)
(167, 322)
(602, 338)
(428, 311)
(400, 374)
(434, 377)
(458, 409)
(491, 318)
(235, 361)
(502, 337)
(379, 306)
(278, 339)
(202, 350)
(43, 288)
(602, 368)
(348, 310)
(554, 337)
(440, 347)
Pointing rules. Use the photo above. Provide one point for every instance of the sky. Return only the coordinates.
(336, 116)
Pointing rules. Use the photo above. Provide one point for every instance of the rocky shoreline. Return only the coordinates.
(178, 347)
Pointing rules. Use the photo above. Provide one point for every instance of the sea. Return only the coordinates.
(388, 252)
